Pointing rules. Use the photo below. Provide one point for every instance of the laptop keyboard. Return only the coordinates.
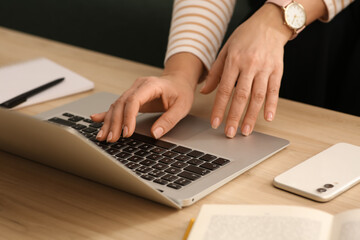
(158, 161)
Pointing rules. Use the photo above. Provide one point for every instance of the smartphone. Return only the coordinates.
(325, 175)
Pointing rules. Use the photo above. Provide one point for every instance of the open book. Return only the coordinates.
(273, 222)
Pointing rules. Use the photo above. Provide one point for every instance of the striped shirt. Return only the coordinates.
(199, 26)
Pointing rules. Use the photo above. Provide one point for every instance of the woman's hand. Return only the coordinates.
(171, 94)
(250, 67)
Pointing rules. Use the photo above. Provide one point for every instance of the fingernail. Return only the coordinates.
(158, 132)
(109, 137)
(125, 131)
(230, 132)
(215, 123)
(246, 130)
(269, 116)
(203, 86)
(100, 134)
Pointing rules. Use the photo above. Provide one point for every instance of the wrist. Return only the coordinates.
(184, 66)
(272, 18)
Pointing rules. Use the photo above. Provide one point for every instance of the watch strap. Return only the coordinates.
(281, 3)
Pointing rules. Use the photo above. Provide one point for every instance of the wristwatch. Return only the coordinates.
(294, 15)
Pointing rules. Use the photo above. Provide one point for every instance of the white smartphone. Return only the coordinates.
(325, 175)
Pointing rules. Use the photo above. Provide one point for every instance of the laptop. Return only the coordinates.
(188, 163)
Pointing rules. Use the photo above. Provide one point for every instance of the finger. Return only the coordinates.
(116, 120)
(168, 119)
(257, 98)
(98, 117)
(213, 78)
(272, 95)
(239, 102)
(103, 133)
(224, 92)
(144, 94)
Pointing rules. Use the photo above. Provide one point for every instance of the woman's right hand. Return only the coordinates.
(171, 93)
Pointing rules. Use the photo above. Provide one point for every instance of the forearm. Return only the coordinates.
(198, 27)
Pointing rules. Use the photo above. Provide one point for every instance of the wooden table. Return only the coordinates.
(38, 202)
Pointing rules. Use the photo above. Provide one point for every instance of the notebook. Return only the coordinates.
(71, 149)
(21, 77)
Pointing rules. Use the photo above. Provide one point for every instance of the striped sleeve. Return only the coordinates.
(198, 27)
(334, 7)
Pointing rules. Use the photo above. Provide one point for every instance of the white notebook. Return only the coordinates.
(22, 77)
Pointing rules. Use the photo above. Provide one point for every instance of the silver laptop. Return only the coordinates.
(189, 162)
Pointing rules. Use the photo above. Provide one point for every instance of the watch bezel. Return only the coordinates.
(286, 20)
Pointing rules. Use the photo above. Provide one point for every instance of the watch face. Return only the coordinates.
(295, 16)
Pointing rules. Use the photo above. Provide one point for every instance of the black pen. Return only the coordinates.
(24, 96)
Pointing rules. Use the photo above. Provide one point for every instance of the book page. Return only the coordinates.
(347, 225)
(265, 222)
(25, 76)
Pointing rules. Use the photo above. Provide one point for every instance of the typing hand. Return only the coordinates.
(170, 94)
(252, 59)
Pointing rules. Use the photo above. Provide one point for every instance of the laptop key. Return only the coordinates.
(123, 161)
(104, 147)
(123, 155)
(208, 157)
(183, 158)
(170, 154)
(130, 149)
(154, 157)
(221, 161)
(210, 166)
(132, 165)
(96, 124)
(68, 114)
(142, 153)
(161, 181)
(134, 143)
(175, 186)
(144, 169)
(169, 177)
(158, 150)
(75, 119)
(147, 162)
(118, 145)
(87, 120)
(123, 140)
(146, 146)
(112, 151)
(179, 164)
(160, 166)
(195, 154)
(189, 175)
(148, 177)
(89, 130)
(78, 126)
(173, 170)
(157, 173)
(62, 121)
(181, 149)
(167, 160)
(135, 159)
(182, 181)
(195, 161)
(197, 170)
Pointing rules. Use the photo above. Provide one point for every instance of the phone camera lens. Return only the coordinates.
(321, 190)
(328, 185)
